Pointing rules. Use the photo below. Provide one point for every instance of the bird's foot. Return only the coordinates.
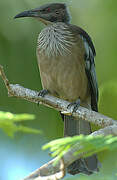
(76, 105)
(43, 92)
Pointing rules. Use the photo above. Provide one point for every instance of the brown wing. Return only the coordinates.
(89, 64)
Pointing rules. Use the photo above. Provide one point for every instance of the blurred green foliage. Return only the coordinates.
(8, 122)
(89, 145)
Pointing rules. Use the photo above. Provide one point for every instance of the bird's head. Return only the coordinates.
(49, 13)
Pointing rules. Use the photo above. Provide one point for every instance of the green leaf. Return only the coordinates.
(90, 145)
(9, 123)
(15, 117)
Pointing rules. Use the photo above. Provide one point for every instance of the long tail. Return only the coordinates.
(75, 127)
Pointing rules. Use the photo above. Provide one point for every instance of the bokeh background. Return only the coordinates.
(18, 38)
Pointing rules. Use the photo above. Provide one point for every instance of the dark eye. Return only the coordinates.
(48, 9)
(45, 10)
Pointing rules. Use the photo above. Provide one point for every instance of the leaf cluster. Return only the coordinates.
(10, 123)
(88, 145)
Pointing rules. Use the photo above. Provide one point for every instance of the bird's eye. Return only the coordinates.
(48, 9)
(45, 10)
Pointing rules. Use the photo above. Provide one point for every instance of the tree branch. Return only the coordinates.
(56, 103)
(69, 157)
(48, 171)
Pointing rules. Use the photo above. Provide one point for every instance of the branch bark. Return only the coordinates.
(56, 103)
(48, 171)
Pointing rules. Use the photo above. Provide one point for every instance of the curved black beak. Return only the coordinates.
(36, 13)
(29, 13)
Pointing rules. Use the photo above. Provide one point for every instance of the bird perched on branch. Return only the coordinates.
(65, 55)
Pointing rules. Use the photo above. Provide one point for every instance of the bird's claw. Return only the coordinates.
(43, 92)
(76, 105)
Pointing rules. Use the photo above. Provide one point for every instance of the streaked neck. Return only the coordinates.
(55, 40)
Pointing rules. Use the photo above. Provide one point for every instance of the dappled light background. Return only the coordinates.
(18, 38)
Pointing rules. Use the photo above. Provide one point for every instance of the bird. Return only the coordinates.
(65, 55)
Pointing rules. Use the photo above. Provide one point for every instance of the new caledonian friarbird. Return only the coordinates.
(65, 55)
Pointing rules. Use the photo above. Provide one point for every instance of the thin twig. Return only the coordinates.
(6, 82)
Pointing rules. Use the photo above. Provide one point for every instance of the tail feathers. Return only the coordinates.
(75, 127)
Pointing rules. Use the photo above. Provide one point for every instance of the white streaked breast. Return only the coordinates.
(55, 40)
